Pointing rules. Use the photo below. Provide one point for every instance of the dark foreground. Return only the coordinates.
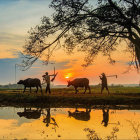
(129, 96)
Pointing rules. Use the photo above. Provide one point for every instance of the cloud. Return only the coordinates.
(11, 39)
(35, 67)
(16, 18)
(63, 64)
(10, 45)
(128, 63)
(7, 51)
(20, 15)
(7, 69)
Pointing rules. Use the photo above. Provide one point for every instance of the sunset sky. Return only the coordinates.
(18, 16)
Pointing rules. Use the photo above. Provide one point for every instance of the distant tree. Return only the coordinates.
(90, 27)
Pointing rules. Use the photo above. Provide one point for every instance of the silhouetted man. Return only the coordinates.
(104, 82)
(46, 78)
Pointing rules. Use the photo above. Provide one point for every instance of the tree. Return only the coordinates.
(90, 28)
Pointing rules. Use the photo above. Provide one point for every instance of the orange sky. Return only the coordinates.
(15, 23)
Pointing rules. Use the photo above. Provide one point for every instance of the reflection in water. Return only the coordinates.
(135, 127)
(105, 117)
(49, 120)
(51, 123)
(30, 114)
(92, 135)
(80, 115)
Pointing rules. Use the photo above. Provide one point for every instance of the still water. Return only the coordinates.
(68, 123)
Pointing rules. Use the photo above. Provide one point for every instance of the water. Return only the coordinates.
(68, 123)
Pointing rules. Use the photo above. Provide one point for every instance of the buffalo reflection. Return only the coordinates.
(36, 114)
(30, 113)
(80, 115)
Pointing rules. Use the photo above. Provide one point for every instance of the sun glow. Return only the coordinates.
(68, 75)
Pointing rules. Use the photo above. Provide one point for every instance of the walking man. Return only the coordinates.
(46, 78)
(104, 82)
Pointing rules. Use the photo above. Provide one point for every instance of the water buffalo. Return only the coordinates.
(79, 82)
(29, 82)
(80, 115)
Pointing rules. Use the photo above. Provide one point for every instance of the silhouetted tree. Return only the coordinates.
(90, 27)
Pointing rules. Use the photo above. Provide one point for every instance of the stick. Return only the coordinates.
(54, 70)
(112, 76)
(54, 77)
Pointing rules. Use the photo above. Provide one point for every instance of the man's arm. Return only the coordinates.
(101, 77)
(52, 75)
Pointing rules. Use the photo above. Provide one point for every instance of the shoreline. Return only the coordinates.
(59, 101)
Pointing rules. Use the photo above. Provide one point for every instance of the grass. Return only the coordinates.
(63, 97)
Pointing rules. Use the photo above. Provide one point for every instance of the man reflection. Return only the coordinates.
(48, 119)
(105, 117)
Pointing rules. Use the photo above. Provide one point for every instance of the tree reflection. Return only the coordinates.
(135, 127)
(92, 135)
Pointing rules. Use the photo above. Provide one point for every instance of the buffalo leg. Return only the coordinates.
(30, 89)
(76, 90)
(89, 89)
(85, 90)
(36, 89)
(40, 88)
(24, 89)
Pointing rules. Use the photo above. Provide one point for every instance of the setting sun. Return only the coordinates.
(68, 75)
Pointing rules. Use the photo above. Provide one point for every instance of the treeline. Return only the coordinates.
(16, 86)
(11, 86)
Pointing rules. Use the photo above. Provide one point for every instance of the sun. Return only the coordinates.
(68, 75)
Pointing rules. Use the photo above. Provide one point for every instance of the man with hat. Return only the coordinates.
(104, 82)
(46, 78)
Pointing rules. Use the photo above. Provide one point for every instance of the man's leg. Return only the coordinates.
(46, 88)
(107, 90)
(49, 88)
(102, 88)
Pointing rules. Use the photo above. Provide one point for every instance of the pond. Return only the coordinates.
(68, 123)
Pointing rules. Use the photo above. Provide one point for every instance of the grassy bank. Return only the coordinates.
(67, 98)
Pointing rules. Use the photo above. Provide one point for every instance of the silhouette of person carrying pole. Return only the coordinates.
(105, 117)
(104, 82)
(47, 80)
